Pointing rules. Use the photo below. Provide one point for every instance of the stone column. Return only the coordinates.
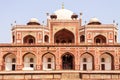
(116, 60)
(116, 63)
(96, 60)
(39, 59)
(19, 61)
(58, 62)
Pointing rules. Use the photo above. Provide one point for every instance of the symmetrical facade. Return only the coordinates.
(62, 44)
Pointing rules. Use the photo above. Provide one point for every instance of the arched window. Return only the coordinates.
(82, 38)
(106, 62)
(87, 62)
(13, 60)
(46, 38)
(29, 61)
(48, 61)
(10, 62)
(29, 39)
(102, 59)
(84, 59)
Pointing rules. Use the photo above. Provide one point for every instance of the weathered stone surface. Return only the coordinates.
(50, 76)
(70, 76)
(13, 77)
(115, 76)
(95, 76)
(58, 76)
(28, 76)
(85, 76)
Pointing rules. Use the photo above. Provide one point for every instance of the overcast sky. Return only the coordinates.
(22, 10)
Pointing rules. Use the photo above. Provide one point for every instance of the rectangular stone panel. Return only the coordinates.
(115, 76)
(13, 77)
(42, 76)
(58, 76)
(28, 76)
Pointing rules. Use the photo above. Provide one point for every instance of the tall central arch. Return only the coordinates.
(64, 36)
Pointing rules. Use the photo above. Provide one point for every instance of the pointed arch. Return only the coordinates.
(100, 39)
(10, 61)
(82, 38)
(87, 61)
(29, 60)
(29, 39)
(68, 61)
(64, 36)
(48, 60)
(106, 61)
(46, 38)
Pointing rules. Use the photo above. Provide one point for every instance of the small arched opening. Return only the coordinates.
(82, 38)
(29, 39)
(100, 39)
(46, 38)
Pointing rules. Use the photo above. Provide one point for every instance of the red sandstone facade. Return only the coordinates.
(62, 44)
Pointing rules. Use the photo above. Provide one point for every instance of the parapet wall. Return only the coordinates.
(60, 75)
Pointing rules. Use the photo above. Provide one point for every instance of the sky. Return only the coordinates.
(22, 11)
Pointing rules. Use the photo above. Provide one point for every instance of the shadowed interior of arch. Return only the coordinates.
(64, 36)
(68, 61)
(100, 39)
(29, 39)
